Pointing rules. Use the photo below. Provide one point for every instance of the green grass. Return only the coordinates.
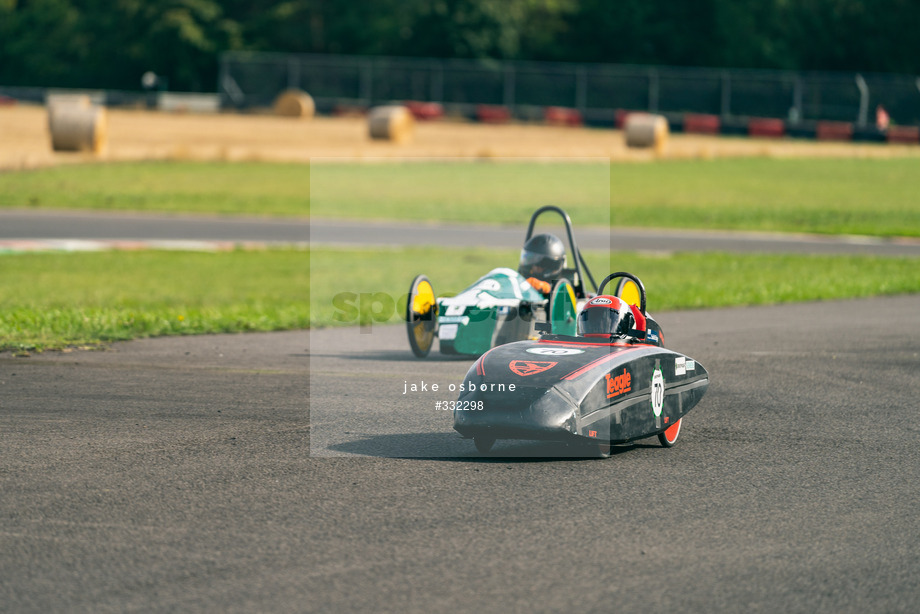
(56, 300)
(675, 281)
(83, 299)
(834, 196)
(171, 187)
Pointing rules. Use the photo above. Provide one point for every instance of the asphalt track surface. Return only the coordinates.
(177, 474)
(18, 225)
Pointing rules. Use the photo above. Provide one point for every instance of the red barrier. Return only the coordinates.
(562, 116)
(492, 114)
(702, 124)
(834, 131)
(904, 134)
(766, 127)
(425, 111)
(620, 116)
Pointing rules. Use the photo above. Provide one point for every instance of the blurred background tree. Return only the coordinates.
(109, 44)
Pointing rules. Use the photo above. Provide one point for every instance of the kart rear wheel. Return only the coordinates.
(629, 291)
(484, 443)
(669, 437)
(421, 316)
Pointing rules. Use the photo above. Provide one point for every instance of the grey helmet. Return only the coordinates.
(543, 257)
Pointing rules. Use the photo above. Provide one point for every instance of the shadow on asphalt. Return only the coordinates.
(449, 447)
(397, 356)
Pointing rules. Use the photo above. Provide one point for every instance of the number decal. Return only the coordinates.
(657, 392)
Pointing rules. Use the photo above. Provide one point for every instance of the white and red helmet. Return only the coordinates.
(607, 315)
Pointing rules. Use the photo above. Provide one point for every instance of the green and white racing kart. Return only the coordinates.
(500, 307)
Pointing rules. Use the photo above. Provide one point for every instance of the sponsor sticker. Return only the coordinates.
(600, 301)
(592, 433)
(488, 285)
(530, 367)
(680, 365)
(691, 365)
(618, 383)
(657, 392)
(554, 351)
(652, 335)
(447, 331)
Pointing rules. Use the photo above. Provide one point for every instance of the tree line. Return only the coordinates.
(111, 43)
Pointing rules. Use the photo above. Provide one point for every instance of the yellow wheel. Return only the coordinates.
(628, 290)
(421, 316)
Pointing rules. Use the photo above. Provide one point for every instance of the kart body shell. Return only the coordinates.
(592, 391)
(500, 307)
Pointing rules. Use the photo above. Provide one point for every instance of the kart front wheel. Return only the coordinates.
(600, 450)
(483, 443)
(421, 316)
(669, 437)
(562, 308)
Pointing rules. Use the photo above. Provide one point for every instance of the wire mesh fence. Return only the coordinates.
(596, 90)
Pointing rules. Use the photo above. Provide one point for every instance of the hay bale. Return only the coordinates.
(59, 99)
(294, 103)
(646, 130)
(75, 127)
(391, 123)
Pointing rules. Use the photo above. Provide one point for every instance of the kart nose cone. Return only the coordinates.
(552, 413)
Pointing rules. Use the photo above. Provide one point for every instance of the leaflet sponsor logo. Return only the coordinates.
(618, 384)
(680, 365)
(528, 367)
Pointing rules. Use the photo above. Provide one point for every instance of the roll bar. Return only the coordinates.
(577, 257)
(633, 278)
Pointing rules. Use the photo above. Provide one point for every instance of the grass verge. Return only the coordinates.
(52, 301)
(830, 196)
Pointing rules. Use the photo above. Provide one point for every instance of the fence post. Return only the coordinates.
(437, 81)
(726, 94)
(508, 93)
(581, 88)
(653, 90)
(797, 88)
(367, 82)
(293, 73)
(863, 100)
(223, 71)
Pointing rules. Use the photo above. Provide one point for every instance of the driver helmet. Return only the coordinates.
(607, 315)
(543, 257)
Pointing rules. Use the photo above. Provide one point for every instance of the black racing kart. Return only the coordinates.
(588, 391)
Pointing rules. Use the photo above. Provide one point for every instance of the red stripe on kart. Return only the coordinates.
(481, 364)
(595, 363)
(616, 344)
